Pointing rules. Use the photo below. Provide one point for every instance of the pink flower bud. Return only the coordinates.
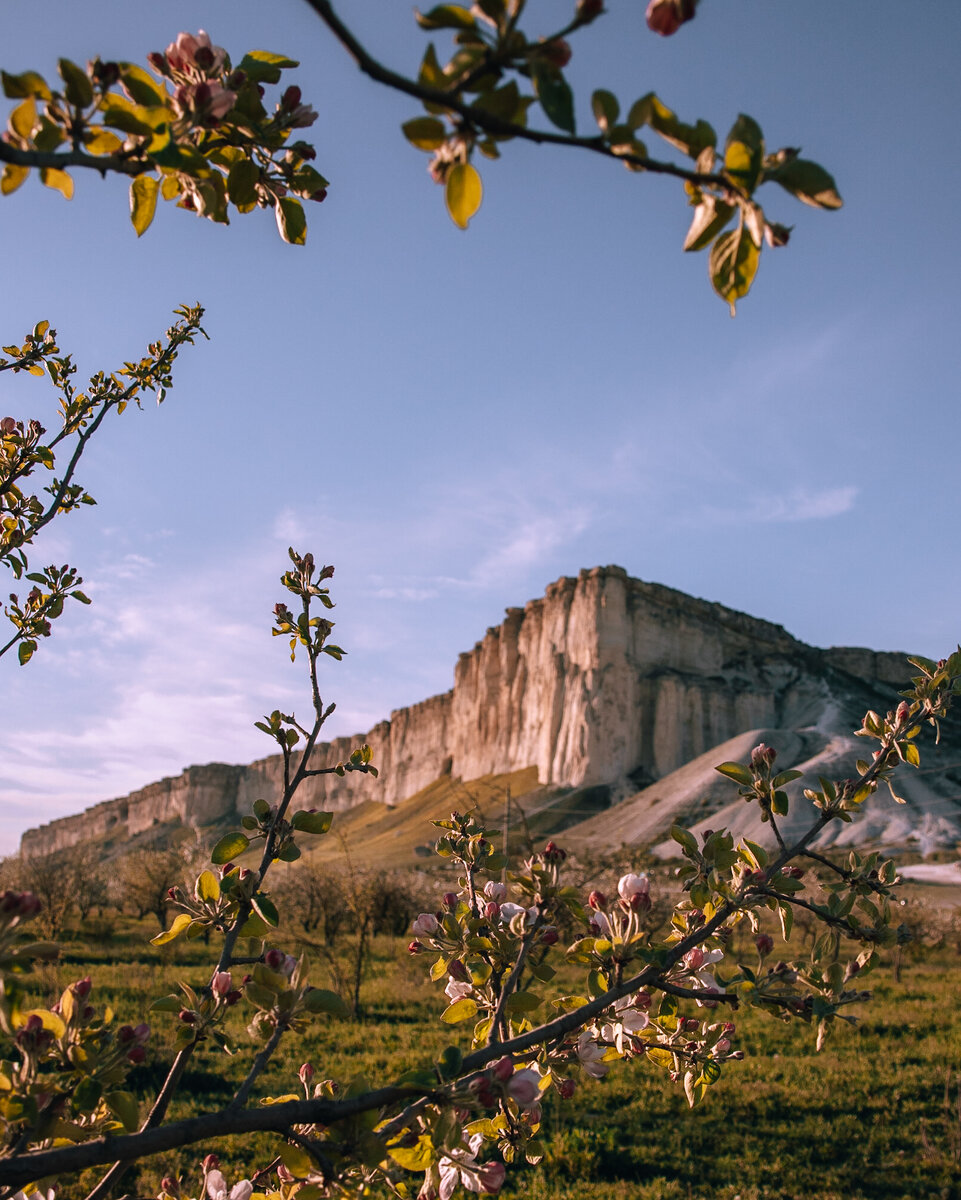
(457, 970)
(221, 983)
(187, 1016)
(557, 52)
(415, 947)
(728, 1027)
(694, 958)
(495, 892)
(667, 16)
(81, 989)
(723, 1046)
(210, 1163)
(553, 852)
(764, 943)
(549, 936)
(597, 900)
(125, 1034)
(565, 1088)
(306, 1073)
(503, 1069)
(491, 910)
(291, 97)
(274, 959)
(136, 1054)
(450, 900)
(169, 1185)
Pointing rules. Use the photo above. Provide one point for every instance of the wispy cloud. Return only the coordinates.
(797, 505)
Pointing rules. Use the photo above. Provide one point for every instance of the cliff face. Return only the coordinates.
(603, 679)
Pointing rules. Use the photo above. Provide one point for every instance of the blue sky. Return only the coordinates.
(456, 419)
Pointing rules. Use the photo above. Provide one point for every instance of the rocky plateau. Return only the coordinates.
(606, 682)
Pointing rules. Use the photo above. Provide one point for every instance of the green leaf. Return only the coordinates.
(737, 772)
(290, 853)
(291, 221)
(321, 1000)
(785, 777)
(450, 1062)
(86, 1095)
(125, 1108)
(445, 16)
(523, 1002)
(25, 652)
(77, 86)
(16, 87)
(143, 88)
(710, 217)
(461, 1010)
(208, 886)
(242, 180)
(426, 133)
(180, 923)
(143, 202)
(265, 908)
(261, 66)
(12, 177)
(732, 266)
(606, 109)
(744, 152)
(81, 596)
(684, 838)
(464, 192)
(554, 94)
(229, 846)
(809, 182)
(312, 822)
(169, 1003)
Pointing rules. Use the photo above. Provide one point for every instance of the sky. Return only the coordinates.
(456, 419)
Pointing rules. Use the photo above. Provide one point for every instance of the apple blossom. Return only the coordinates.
(591, 1055)
(426, 925)
(630, 886)
(495, 891)
(217, 1187)
(195, 52)
(456, 989)
(524, 1087)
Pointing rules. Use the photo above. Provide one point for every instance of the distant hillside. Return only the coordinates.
(609, 694)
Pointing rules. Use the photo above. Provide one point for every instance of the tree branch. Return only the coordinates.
(60, 160)
(496, 125)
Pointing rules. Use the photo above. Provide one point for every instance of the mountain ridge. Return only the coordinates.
(606, 681)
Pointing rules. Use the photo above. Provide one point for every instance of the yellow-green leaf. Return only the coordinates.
(291, 221)
(60, 181)
(23, 119)
(208, 886)
(426, 133)
(733, 264)
(102, 141)
(143, 202)
(461, 1010)
(180, 923)
(464, 193)
(12, 177)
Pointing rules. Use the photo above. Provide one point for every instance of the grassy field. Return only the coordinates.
(867, 1119)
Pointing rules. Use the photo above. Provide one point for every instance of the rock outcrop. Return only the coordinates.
(604, 680)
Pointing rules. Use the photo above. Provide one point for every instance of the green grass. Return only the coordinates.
(785, 1124)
